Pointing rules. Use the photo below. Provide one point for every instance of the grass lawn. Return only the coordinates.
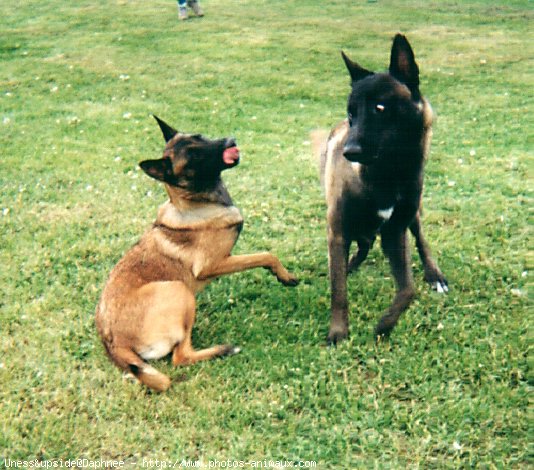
(78, 82)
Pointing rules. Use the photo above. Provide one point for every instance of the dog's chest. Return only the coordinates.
(367, 219)
(198, 239)
(364, 213)
(385, 214)
(211, 248)
(384, 197)
(382, 207)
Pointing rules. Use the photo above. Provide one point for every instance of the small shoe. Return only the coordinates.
(196, 7)
(182, 13)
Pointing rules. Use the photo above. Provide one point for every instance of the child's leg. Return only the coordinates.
(182, 9)
(195, 5)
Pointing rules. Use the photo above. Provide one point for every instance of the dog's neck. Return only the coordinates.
(402, 167)
(183, 212)
(185, 199)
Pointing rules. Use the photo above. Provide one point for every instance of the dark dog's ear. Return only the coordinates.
(402, 65)
(159, 169)
(356, 72)
(168, 131)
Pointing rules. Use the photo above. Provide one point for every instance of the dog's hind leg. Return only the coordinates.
(433, 275)
(395, 246)
(356, 260)
(184, 353)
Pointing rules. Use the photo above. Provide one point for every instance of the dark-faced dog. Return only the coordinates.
(372, 167)
(147, 307)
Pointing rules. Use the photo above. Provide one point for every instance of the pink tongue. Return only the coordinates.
(231, 155)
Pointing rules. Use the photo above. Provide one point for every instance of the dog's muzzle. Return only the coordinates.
(352, 151)
(231, 153)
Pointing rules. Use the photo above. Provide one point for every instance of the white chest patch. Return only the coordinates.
(385, 214)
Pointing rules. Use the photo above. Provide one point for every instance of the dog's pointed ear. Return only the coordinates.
(402, 65)
(356, 72)
(168, 131)
(159, 169)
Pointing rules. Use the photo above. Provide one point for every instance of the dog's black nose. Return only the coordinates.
(352, 149)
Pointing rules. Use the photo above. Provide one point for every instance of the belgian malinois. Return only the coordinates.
(372, 169)
(147, 307)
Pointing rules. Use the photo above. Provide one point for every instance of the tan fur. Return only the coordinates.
(147, 308)
(428, 120)
(318, 139)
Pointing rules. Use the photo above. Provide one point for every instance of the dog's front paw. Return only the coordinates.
(441, 287)
(438, 282)
(336, 336)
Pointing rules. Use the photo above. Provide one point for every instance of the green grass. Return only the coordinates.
(78, 82)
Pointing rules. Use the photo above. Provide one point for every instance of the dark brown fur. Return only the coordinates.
(372, 169)
(147, 307)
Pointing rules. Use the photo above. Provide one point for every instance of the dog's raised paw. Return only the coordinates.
(291, 281)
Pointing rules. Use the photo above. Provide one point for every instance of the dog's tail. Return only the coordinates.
(128, 360)
(318, 139)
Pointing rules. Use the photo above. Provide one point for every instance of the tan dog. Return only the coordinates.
(147, 308)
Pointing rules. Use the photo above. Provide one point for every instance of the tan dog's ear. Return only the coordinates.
(168, 131)
(160, 169)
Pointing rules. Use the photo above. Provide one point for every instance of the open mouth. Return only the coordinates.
(231, 154)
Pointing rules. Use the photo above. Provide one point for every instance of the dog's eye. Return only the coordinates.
(380, 108)
(349, 115)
